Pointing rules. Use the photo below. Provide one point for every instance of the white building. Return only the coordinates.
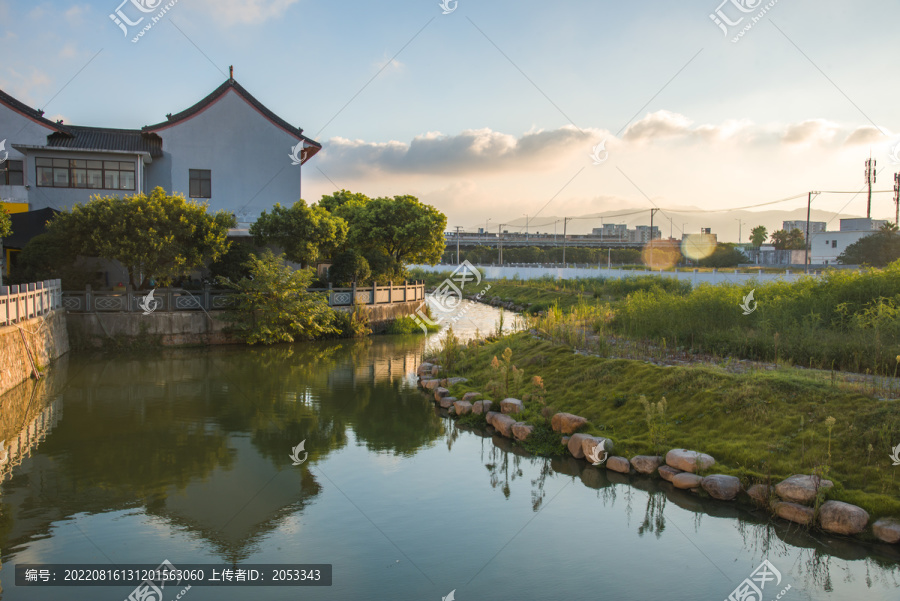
(826, 247)
(228, 150)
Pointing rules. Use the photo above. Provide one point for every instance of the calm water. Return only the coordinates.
(185, 457)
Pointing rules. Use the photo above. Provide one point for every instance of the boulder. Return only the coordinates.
(489, 416)
(503, 424)
(668, 473)
(431, 384)
(589, 443)
(793, 512)
(471, 396)
(435, 370)
(481, 406)
(567, 423)
(887, 530)
(688, 461)
(575, 445)
(618, 464)
(721, 487)
(424, 368)
(511, 406)
(522, 431)
(447, 401)
(842, 518)
(686, 480)
(646, 464)
(462, 407)
(440, 392)
(801, 488)
(760, 493)
(452, 381)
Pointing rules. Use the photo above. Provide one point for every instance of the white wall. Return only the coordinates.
(493, 272)
(247, 154)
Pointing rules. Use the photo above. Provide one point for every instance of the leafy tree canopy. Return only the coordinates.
(349, 266)
(5, 223)
(306, 234)
(878, 249)
(758, 235)
(793, 240)
(153, 236)
(272, 304)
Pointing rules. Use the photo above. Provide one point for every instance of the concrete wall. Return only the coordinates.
(189, 327)
(47, 339)
(723, 276)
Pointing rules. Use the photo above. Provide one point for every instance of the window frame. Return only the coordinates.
(6, 172)
(77, 173)
(200, 176)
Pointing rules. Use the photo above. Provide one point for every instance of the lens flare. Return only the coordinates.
(660, 254)
(698, 246)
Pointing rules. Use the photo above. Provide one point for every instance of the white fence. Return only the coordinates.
(533, 272)
(26, 301)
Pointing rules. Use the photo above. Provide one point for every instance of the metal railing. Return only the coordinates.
(27, 301)
(207, 299)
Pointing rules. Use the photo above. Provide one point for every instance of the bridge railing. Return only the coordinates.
(208, 299)
(27, 301)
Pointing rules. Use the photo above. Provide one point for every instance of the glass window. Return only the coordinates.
(60, 178)
(112, 180)
(45, 176)
(200, 183)
(95, 164)
(94, 177)
(12, 173)
(126, 180)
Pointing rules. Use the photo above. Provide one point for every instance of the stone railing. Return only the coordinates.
(26, 301)
(207, 299)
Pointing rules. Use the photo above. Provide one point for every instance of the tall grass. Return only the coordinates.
(846, 320)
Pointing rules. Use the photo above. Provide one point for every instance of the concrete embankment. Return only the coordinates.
(182, 328)
(38, 342)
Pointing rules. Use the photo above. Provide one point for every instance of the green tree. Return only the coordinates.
(49, 256)
(348, 267)
(390, 232)
(758, 235)
(305, 234)
(876, 249)
(233, 264)
(153, 236)
(272, 304)
(725, 254)
(5, 222)
(784, 240)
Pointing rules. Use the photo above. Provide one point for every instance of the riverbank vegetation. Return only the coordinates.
(762, 425)
(843, 321)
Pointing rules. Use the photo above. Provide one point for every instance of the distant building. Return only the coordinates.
(814, 226)
(612, 230)
(826, 247)
(620, 232)
(643, 233)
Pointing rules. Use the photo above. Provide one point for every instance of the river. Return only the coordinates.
(185, 456)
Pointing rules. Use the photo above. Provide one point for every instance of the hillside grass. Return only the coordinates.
(760, 426)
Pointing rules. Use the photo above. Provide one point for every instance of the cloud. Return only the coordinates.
(249, 12)
(811, 130)
(68, 51)
(473, 150)
(24, 87)
(867, 134)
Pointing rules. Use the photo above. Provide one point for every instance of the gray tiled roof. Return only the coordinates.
(101, 138)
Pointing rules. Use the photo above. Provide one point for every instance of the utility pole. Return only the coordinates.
(458, 227)
(870, 179)
(526, 227)
(806, 245)
(652, 213)
(897, 199)
(565, 240)
(500, 241)
(741, 223)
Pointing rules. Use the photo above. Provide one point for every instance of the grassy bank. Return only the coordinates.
(845, 320)
(760, 426)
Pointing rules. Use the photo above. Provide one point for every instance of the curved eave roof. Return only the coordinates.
(26, 111)
(219, 93)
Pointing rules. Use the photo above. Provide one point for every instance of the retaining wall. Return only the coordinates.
(46, 338)
(180, 328)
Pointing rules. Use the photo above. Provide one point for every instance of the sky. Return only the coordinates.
(493, 111)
